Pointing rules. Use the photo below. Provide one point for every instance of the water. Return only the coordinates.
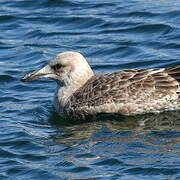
(34, 142)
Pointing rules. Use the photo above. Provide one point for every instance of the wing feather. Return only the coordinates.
(126, 85)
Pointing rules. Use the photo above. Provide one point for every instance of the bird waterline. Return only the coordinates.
(80, 93)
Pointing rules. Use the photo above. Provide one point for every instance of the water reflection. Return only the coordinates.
(152, 132)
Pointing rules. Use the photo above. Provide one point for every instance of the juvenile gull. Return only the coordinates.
(80, 92)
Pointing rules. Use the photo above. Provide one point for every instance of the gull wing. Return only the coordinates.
(135, 86)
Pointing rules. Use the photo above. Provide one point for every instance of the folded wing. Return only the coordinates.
(128, 86)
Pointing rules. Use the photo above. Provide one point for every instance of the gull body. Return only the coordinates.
(80, 92)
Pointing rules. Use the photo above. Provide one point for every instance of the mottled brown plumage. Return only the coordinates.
(138, 91)
(127, 92)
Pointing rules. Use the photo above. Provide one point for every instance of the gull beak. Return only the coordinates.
(42, 73)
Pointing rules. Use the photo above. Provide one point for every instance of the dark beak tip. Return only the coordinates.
(32, 76)
(23, 80)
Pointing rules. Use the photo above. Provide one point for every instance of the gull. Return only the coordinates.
(81, 93)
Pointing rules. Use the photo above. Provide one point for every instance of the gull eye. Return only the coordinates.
(57, 67)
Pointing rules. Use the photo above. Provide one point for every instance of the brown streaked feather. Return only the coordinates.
(127, 86)
(174, 72)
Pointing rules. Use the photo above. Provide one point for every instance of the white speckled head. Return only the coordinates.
(71, 66)
(66, 68)
(70, 70)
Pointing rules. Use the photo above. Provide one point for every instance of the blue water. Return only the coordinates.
(34, 142)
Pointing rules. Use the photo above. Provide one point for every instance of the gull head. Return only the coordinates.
(66, 68)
